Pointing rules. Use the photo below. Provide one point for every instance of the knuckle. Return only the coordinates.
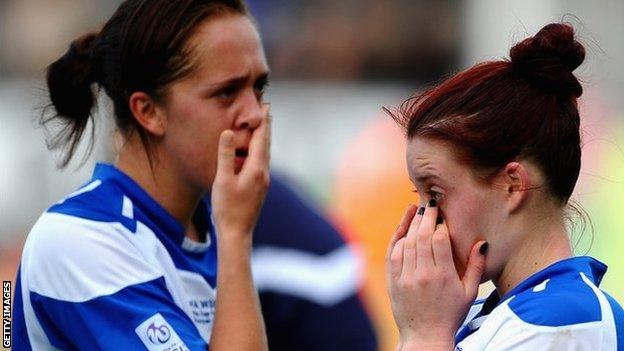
(410, 244)
(439, 237)
(423, 279)
(422, 235)
(405, 284)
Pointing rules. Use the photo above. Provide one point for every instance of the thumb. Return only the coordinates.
(226, 153)
(475, 268)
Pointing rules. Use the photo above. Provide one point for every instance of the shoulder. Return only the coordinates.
(556, 302)
(565, 312)
(99, 201)
(540, 323)
(73, 258)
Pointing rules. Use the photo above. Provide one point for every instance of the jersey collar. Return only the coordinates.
(591, 267)
(154, 212)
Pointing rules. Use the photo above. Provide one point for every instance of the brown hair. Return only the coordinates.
(142, 47)
(522, 108)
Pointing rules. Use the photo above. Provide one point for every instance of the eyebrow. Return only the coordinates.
(240, 80)
(425, 176)
(425, 179)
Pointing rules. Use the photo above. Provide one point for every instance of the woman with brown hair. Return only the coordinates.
(129, 261)
(495, 153)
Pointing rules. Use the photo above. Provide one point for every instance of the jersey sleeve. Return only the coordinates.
(89, 288)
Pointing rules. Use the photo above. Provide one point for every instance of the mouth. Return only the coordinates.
(241, 156)
(242, 152)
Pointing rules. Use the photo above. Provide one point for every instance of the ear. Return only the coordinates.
(516, 180)
(147, 113)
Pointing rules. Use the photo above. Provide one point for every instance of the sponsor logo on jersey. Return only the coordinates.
(158, 335)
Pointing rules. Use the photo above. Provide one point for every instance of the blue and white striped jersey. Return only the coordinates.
(108, 268)
(558, 308)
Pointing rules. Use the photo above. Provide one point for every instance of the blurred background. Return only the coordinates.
(334, 65)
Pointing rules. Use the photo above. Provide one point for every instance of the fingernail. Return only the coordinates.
(484, 248)
(421, 211)
(439, 220)
(433, 203)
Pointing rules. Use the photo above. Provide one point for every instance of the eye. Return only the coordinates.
(260, 88)
(432, 194)
(435, 195)
(228, 92)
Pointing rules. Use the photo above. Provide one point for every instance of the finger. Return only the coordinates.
(428, 223)
(442, 250)
(424, 257)
(401, 230)
(424, 251)
(396, 259)
(409, 249)
(226, 153)
(260, 143)
(475, 268)
(415, 222)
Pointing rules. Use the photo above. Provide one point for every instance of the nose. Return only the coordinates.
(251, 113)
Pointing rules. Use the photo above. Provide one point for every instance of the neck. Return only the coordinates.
(161, 181)
(542, 243)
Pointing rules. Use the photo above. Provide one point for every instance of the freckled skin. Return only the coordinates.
(469, 206)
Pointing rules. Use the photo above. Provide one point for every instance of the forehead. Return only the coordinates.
(227, 45)
(429, 157)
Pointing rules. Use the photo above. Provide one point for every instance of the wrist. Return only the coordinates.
(234, 240)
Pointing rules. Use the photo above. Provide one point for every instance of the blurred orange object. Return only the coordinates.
(371, 191)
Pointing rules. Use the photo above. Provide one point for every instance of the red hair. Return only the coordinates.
(524, 108)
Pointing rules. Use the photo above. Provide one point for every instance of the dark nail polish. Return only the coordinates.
(484, 248)
(421, 211)
(439, 220)
(433, 203)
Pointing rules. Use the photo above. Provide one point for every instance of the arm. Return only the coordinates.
(236, 200)
(238, 320)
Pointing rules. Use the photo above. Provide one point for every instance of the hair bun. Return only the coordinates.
(70, 77)
(549, 58)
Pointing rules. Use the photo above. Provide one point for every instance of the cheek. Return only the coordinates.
(463, 219)
(193, 137)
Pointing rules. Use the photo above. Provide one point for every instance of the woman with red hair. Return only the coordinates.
(495, 154)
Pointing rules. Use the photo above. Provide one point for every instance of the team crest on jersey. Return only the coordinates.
(158, 335)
